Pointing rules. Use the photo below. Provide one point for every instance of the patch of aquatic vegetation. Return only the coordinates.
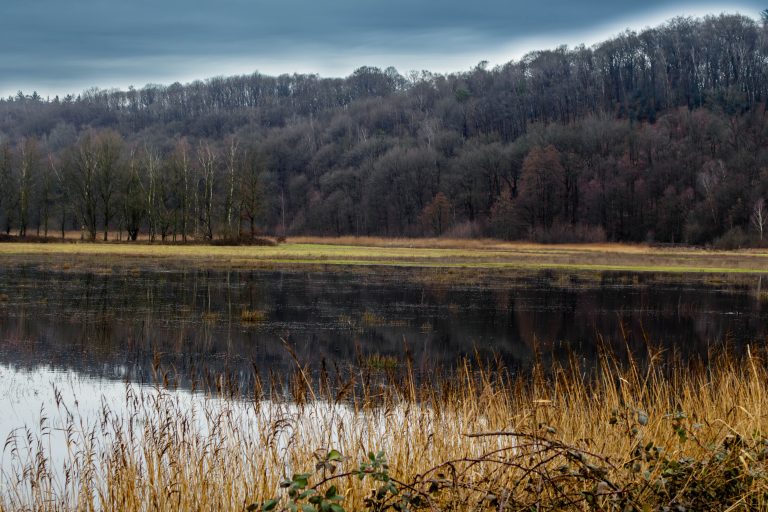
(253, 316)
(347, 321)
(371, 319)
(381, 362)
(210, 317)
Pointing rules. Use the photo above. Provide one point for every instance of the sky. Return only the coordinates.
(66, 46)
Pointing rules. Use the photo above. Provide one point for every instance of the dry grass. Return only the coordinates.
(466, 243)
(623, 439)
(371, 319)
(438, 254)
(210, 316)
(252, 316)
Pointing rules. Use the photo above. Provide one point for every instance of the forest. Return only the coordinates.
(656, 136)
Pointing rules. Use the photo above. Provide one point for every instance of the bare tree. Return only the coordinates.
(46, 195)
(711, 176)
(207, 157)
(436, 215)
(151, 167)
(183, 166)
(232, 171)
(759, 216)
(29, 162)
(8, 197)
(134, 206)
(81, 180)
(109, 146)
(251, 197)
(63, 197)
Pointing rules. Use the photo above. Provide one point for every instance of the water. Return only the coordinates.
(124, 326)
(73, 343)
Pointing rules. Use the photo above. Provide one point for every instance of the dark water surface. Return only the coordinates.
(122, 325)
(76, 348)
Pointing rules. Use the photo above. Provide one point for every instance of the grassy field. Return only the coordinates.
(424, 253)
(626, 438)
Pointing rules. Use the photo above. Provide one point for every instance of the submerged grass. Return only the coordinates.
(253, 316)
(633, 436)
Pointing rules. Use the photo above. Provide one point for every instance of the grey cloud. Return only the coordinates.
(72, 44)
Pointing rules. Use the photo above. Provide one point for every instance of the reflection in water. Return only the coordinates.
(77, 421)
(124, 326)
(83, 335)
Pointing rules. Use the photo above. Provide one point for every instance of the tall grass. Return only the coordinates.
(651, 436)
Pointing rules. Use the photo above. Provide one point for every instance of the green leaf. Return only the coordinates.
(268, 505)
(334, 455)
(307, 508)
(308, 492)
(337, 508)
(300, 481)
(331, 492)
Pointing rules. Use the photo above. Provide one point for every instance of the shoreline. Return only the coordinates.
(488, 256)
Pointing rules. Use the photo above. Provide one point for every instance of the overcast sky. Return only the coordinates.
(63, 46)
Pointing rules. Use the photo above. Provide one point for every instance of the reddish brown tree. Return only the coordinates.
(436, 215)
(542, 185)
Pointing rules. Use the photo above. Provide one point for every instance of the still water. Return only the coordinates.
(123, 326)
(74, 343)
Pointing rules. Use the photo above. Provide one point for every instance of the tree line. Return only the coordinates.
(660, 135)
(100, 185)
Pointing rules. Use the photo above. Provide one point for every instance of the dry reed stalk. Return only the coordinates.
(624, 437)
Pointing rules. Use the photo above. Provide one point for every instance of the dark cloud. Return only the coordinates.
(59, 46)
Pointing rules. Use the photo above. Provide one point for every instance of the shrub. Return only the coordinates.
(734, 238)
(570, 234)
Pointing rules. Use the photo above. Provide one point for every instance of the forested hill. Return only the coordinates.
(660, 135)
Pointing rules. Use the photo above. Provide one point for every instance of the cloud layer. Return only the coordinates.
(57, 47)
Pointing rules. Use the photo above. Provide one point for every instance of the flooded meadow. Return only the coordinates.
(123, 326)
(102, 373)
(119, 326)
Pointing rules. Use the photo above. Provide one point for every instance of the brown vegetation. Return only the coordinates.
(620, 437)
(447, 258)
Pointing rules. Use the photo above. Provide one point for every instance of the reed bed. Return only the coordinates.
(622, 436)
